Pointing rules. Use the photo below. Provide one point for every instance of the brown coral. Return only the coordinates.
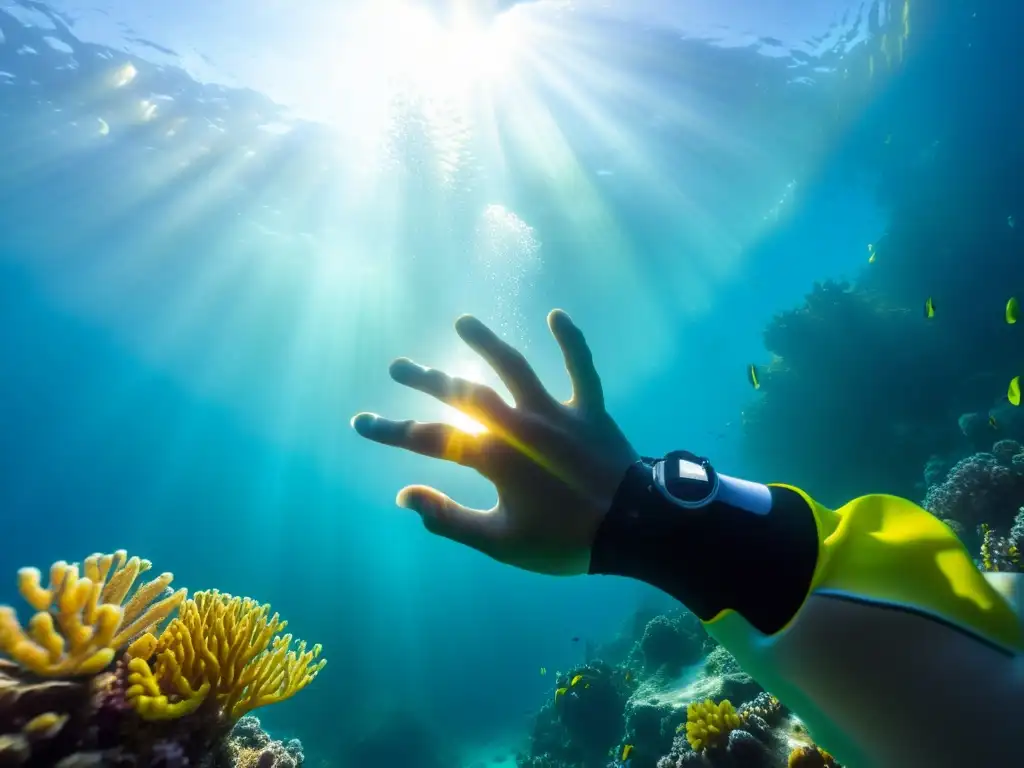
(810, 756)
(35, 714)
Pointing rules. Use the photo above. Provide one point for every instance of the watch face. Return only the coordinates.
(686, 481)
(689, 470)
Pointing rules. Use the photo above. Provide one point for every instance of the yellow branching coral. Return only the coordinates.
(84, 619)
(986, 548)
(709, 724)
(221, 646)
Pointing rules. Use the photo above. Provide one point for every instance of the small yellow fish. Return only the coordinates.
(992, 422)
(560, 692)
(752, 376)
(929, 308)
(625, 751)
(872, 254)
(1013, 393)
(586, 685)
(576, 680)
(543, 670)
(629, 676)
(1012, 310)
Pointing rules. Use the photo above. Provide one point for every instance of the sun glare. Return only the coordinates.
(455, 417)
(447, 57)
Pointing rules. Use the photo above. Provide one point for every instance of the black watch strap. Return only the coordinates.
(713, 557)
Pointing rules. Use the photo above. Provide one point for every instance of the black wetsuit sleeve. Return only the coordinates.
(712, 558)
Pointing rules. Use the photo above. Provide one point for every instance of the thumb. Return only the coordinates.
(476, 528)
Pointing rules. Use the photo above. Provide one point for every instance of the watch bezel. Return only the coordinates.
(658, 475)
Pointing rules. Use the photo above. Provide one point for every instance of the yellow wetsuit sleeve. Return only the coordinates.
(889, 551)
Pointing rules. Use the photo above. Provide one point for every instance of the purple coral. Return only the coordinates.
(985, 487)
(169, 754)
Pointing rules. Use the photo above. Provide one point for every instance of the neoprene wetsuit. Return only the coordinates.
(871, 622)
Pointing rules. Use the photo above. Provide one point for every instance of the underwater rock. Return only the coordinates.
(592, 711)
(748, 751)
(670, 643)
(848, 431)
(720, 662)
(935, 471)
(650, 729)
(734, 686)
(41, 720)
(976, 428)
(584, 718)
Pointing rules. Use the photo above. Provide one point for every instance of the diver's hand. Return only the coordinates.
(556, 465)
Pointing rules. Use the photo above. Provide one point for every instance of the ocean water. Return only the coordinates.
(221, 221)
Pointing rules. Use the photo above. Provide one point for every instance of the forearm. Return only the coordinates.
(752, 548)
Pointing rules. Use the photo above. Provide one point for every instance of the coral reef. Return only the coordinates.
(582, 721)
(722, 678)
(219, 646)
(823, 389)
(82, 621)
(1001, 553)
(761, 734)
(720, 662)
(982, 488)
(252, 747)
(650, 729)
(708, 724)
(600, 716)
(716, 735)
(669, 643)
(78, 689)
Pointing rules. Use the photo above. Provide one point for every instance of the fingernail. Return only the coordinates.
(362, 422)
(468, 324)
(403, 366)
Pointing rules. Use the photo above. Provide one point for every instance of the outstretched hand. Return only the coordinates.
(556, 465)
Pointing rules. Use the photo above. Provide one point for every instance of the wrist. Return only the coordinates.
(743, 546)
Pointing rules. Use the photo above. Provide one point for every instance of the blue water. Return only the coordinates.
(205, 270)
